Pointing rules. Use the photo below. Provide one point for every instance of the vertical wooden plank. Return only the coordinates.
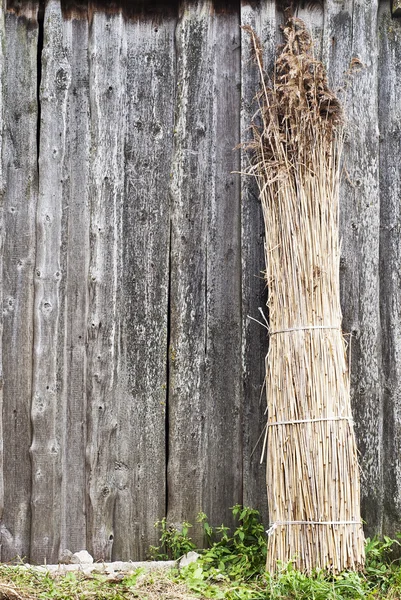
(191, 188)
(107, 73)
(337, 45)
(363, 155)
(389, 79)
(20, 177)
(48, 399)
(204, 470)
(350, 35)
(2, 188)
(140, 467)
(75, 244)
(312, 15)
(262, 19)
(222, 421)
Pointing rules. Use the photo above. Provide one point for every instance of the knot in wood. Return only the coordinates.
(62, 79)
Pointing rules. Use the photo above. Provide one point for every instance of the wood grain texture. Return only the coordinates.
(75, 249)
(313, 15)
(144, 238)
(108, 67)
(2, 189)
(204, 469)
(223, 417)
(351, 40)
(48, 396)
(254, 293)
(19, 165)
(389, 31)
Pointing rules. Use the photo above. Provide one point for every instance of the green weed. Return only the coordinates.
(174, 541)
(231, 568)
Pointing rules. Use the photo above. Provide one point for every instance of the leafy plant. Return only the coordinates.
(381, 569)
(174, 541)
(233, 567)
(241, 554)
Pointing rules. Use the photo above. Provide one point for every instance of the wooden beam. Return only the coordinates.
(204, 404)
(18, 248)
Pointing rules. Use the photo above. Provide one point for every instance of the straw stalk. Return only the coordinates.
(312, 465)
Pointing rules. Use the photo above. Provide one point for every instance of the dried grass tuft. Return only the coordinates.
(9, 592)
(158, 586)
(312, 465)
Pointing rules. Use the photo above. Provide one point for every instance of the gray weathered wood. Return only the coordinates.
(144, 238)
(204, 468)
(363, 155)
(313, 15)
(19, 162)
(75, 248)
(48, 397)
(108, 65)
(254, 337)
(2, 186)
(350, 35)
(138, 239)
(223, 416)
(390, 256)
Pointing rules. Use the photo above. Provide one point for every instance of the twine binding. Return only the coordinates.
(311, 420)
(303, 329)
(274, 526)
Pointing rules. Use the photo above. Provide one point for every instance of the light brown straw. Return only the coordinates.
(312, 466)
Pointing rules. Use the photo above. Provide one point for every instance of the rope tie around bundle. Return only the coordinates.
(306, 328)
(281, 523)
(312, 472)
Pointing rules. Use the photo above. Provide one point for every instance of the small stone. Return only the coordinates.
(75, 560)
(82, 557)
(188, 558)
(115, 577)
(65, 557)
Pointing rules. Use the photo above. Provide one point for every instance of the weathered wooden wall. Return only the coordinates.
(132, 258)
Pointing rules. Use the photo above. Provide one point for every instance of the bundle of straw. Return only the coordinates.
(312, 466)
